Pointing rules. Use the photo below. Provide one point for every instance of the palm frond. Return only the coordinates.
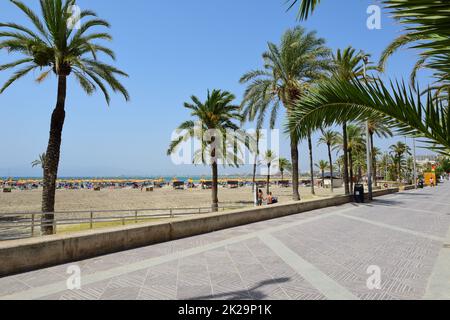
(336, 101)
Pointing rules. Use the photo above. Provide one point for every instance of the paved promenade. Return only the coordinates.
(333, 253)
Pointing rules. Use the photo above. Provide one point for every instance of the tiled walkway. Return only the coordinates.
(324, 254)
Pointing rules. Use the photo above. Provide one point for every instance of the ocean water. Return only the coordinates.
(195, 178)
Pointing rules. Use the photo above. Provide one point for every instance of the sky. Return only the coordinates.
(171, 50)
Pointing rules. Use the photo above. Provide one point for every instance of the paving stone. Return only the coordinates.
(338, 248)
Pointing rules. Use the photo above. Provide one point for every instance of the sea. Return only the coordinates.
(195, 178)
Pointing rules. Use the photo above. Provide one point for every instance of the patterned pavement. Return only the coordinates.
(324, 254)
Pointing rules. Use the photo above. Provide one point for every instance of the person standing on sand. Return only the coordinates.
(260, 198)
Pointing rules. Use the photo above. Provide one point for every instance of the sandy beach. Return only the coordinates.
(130, 199)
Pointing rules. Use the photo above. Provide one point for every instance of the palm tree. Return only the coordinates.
(322, 166)
(384, 165)
(212, 119)
(284, 165)
(398, 152)
(356, 143)
(60, 50)
(256, 138)
(359, 162)
(289, 69)
(410, 169)
(379, 128)
(376, 152)
(40, 162)
(269, 158)
(339, 163)
(330, 139)
(348, 65)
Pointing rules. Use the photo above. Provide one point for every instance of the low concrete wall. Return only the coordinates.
(31, 254)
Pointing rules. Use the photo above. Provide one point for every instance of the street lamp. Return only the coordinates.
(415, 163)
(368, 142)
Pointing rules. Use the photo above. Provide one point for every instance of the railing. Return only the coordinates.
(29, 224)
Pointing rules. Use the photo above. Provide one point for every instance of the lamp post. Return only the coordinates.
(368, 142)
(415, 163)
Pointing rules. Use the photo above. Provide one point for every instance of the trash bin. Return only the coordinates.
(420, 184)
(359, 193)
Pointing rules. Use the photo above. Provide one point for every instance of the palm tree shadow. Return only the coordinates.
(252, 293)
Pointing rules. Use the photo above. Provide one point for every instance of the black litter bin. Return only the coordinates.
(359, 193)
(420, 185)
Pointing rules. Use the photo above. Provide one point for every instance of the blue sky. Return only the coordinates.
(171, 49)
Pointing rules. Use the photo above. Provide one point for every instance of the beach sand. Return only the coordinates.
(127, 199)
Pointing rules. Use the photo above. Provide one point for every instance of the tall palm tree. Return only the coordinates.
(57, 48)
(212, 119)
(289, 70)
(355, 140)
(381, 129)
(269, 158)
(284, 165)
(359, 163)
(410, 169)
(257, 139)
(330, 139)
(339, 163)
(348, 65)
(322, 166)
(398, 152)
(376, 153)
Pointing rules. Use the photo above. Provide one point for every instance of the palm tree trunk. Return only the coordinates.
(323, 178)
(52, 159)
(214, 193)
(346, 166)
(350, 158)
(268, 179)
(313, 192)
(330, 158)
(294, 159)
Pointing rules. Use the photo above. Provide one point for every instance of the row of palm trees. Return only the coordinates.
(289, 71)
